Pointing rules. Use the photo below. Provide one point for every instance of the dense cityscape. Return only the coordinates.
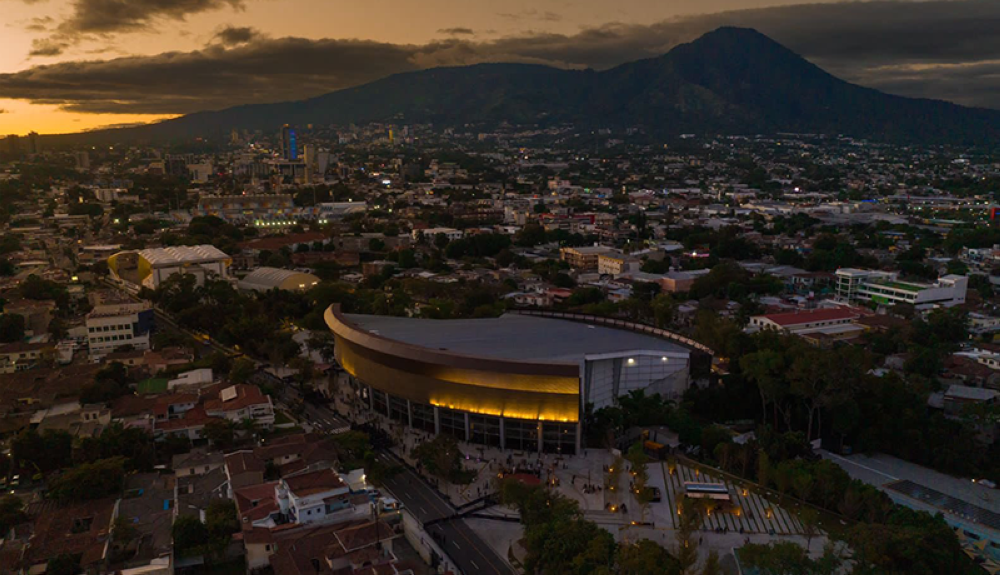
(714, 311)
(781, 345)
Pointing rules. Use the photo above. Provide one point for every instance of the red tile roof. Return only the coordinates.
(262, 494)
(195, 417)
(243, 462)
(811, 316)
(246, 395)
(314, 482)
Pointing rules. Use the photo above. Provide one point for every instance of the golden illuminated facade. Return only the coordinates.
(509, 403)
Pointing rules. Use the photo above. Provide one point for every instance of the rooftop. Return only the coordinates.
(263, 279)
(811, 316)
(512, 337)
(182, 254)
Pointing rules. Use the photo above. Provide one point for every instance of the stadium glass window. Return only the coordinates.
(379, 401)
(559, 438)
(521, 434)
(423, 416)
(484, 429)
(398, 410)
(452, 423)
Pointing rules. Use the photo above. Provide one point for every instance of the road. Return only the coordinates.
(465, 548)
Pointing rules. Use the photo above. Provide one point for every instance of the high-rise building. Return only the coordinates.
(34, 147)
(14, 145)
(82, 160)
(289, 143)
(309, 151)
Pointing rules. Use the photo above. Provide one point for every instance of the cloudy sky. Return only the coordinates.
(71, 65)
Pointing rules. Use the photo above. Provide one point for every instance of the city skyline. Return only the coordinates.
(82, 65)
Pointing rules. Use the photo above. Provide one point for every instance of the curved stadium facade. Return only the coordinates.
(519, 381)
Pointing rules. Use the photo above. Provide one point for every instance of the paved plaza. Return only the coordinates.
(751, 517)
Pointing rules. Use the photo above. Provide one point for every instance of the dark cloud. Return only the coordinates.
(101, 18)
(264, 70)
(47, 47)
(531, 15)
(940, 48)
(109, 16)
(2, 111)
(457, 31)
(40, 24)
(234, 35)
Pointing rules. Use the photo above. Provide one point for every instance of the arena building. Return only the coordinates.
(520, 381)
(150, 267)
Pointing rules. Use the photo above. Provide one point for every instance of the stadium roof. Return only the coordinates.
(513, 337)
(264, 279)
(158, 257)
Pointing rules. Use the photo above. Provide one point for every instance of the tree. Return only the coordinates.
(7, 268)
(809, 518)
(62, 564)
(442, 457)
(786, 558)
(910, 542)
(47, 451)
(686, 550)
(767, 369)
(645, 558)
(11, 513)
(711, 566)
(221, 432)
(221, 519)
(189, 535)
(102, 478)
(440, 241)
(11, 328)
(123, 531)
(352, 448)
(241, 371)
(305, 370)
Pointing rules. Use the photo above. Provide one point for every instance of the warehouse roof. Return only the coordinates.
(513, 337)
(158, 257)
(264, 279)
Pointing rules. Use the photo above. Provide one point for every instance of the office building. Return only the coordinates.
(14, 145)
(82, 160)
(116, 325)
(310, 155)
(584, 258)
(885, 288)
(289, 143)
(34, 146)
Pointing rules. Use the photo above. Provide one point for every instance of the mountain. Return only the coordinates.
(730, 81)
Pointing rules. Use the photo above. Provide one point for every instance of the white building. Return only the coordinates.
(150, 267)
(430, 233)
(320, 497)
(239, 402)
(117, 325)
(832, 324)
(885, 288)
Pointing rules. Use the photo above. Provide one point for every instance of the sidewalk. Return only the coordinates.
(568, 474)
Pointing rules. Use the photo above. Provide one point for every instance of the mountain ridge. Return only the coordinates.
(728, 81)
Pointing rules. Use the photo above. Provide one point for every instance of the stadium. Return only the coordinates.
(521, 381)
